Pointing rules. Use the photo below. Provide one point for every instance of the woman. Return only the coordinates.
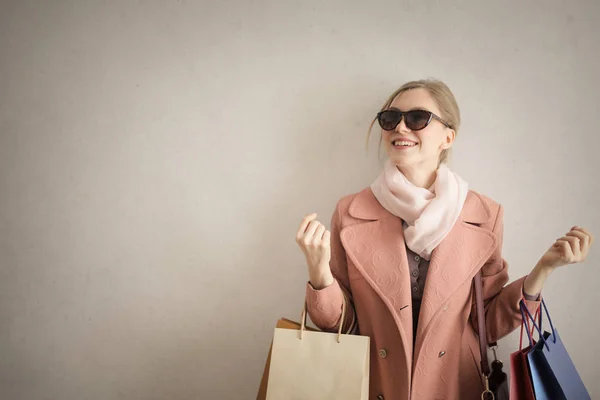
(403, 253)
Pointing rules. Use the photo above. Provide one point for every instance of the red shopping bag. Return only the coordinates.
(521, 387)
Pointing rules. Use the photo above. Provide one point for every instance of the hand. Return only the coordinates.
(314, 240)
(569, 249)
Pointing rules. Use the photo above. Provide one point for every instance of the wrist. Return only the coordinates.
(320, 280)
(542, 269)
(534, 283)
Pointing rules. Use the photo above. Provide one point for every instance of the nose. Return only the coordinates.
(401, 127)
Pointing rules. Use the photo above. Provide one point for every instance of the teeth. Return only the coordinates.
(403, 143)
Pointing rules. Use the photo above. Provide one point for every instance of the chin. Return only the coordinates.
(401, 162)
(400, 159)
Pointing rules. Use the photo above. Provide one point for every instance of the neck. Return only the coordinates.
(419, 176)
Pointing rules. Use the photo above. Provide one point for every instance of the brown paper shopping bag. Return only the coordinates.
(283, 323)
(311, 365)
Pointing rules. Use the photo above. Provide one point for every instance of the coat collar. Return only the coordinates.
(366, 206)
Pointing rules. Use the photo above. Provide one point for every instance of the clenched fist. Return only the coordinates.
(570, 249)
(314, 240)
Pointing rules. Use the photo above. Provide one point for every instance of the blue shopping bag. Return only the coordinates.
(553, 373)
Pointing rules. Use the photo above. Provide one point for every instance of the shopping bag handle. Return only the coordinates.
(342, 319)
(525, 323)
(538, 329)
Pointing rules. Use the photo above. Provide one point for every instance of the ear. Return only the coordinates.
(448, 139)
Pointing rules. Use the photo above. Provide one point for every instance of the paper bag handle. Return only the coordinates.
(342, 319)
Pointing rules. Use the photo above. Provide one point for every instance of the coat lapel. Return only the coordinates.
(455, 261)
(376, 246)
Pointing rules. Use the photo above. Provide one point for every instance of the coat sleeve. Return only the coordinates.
(324, 306)
(502, 312)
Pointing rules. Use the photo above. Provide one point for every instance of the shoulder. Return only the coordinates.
(342, 207)
(360, 205)
(347, 199)
(354, 206)
(490, 203)
(493, 209)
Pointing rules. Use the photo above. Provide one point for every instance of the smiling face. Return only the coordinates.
(426, 144)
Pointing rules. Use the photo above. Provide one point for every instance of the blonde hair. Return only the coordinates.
(444, 99)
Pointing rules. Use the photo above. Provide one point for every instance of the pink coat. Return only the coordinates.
(369, 262)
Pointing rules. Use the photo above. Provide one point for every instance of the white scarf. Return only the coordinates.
(430, 214)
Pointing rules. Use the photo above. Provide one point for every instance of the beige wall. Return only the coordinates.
(156, 158)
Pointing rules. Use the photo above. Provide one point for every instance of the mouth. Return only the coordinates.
(403, 144)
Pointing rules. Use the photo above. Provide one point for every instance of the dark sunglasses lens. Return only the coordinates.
(417, 119)
(389, 119)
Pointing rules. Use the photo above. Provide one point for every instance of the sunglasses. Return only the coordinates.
(415, 120)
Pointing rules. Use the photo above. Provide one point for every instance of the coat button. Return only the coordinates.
(380, 397)
(415, 289)
(417, 258)
(442, 353)
(382, 353)
(415, 273)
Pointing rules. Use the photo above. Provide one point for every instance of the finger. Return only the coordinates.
(586, 232)
(305, 221)
(565, 250)
(310, 231)
(327, 237)
(572, 240)
(576, 233)
(576, 246)
(572, 247)
(584, 240)
(576, 238)
(318, 237)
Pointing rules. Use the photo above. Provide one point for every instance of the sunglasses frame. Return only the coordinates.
(402, 113)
